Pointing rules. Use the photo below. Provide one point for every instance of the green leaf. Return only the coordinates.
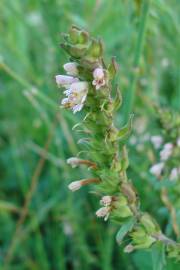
(158, 256)
(118, 99)
(125, 228)
(126, 130)
(112, 68)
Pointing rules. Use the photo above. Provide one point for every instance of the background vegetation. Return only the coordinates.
(42, 225)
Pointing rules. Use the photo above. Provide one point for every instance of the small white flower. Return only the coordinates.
(65, 81)
(178, 142)
(165, 62)
(76, 96)
(67, 228)
(71, 68)
(156, 169)
(99, 78)
(168, 146)
(103, 212)
(156, 141)
(129, 248)
(174, 174)
(73, 161)
(34, 18)
(167, 151)
(106, 200)
(75, 185)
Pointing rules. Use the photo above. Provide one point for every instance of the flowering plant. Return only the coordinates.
(167, 155)
(88, 86)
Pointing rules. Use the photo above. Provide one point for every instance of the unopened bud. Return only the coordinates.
(65, 81)
(103, 212)
(76, 185)
(71, 68)
(129, 248)
(73, 161)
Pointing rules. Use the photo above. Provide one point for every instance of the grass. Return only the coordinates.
(43, 225)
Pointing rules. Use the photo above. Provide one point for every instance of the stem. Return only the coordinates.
(170, 207)
(130, 97)
(27, 85)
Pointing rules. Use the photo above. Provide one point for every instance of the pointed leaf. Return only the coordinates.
(125, 228)
(158, 256)
(118, 99)
(126, 130)
(112, 68)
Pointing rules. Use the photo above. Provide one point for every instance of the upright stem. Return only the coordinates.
(129, 98)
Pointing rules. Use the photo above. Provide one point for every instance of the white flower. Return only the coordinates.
(99, 78)
(106, 200)
(174, 174)
(73, 161)
(71, 68)
(156, 169)
(67, 227)
(167, 151)
(76, 96)
(129, 248)
(65, 81)
(75, 185)
(103, 212)
(168, 146)
(156, 141)
(178, 142)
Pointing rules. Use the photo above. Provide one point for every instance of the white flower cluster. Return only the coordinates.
(165, 153)
(105, 210)
(76, 91)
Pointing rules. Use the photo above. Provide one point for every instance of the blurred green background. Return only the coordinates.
(42, 225)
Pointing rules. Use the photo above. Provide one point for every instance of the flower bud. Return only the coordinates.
(65, 81)
(76, 185)
(129, 248)
(73, 161)
(95, 50)
(78, 36)
(71, 68)
(103, 212)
